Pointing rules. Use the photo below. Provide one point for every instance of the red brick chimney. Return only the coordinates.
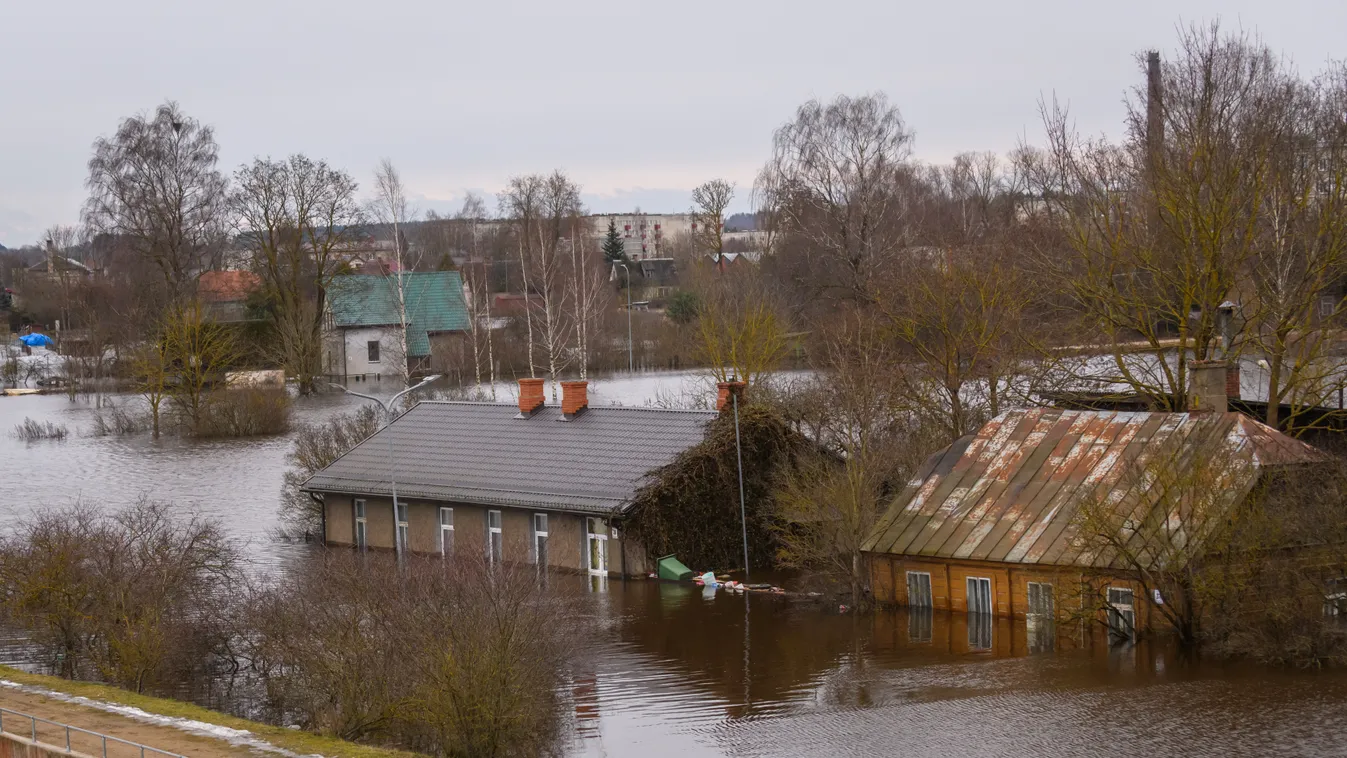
(574, 398)
(530, 396)
(725, 390)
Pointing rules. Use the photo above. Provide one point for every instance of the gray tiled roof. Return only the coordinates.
(482, 453)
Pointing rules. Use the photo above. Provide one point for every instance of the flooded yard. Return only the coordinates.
(673, 671)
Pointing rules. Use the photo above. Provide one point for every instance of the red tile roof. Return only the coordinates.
(226, 286)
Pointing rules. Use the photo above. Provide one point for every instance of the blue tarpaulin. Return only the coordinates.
(36, 340)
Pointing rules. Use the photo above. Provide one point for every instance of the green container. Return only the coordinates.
(672, 570)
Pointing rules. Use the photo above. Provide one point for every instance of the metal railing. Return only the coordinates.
(29, 724)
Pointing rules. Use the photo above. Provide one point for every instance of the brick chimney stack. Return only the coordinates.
(530, 396)
(1208, 386)
(574, 398)
(725, 390)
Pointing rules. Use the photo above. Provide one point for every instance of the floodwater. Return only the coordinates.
(674, 671)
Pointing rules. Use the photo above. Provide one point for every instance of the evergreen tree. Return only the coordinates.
(613, 248)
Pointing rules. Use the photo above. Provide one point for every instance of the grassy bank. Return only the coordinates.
(295, 740)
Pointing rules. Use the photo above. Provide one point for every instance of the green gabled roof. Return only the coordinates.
(434, 304)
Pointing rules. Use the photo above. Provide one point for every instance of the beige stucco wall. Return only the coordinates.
(567, 545)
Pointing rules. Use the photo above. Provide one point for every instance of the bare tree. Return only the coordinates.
(154, 186)
(297, 217)
(710, 200)
(391, 207)
(541, 210)
(1163, 227)
(476, 276)
(835, 182)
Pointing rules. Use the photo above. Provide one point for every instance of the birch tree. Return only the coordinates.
(477, 276)
(154, 186)
(541, 210)
(391, 207)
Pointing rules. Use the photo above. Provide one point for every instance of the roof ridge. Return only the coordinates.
(699, 411)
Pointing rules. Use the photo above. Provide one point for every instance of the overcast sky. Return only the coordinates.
(638, 101)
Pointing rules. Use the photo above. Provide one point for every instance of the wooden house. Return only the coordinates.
(991, 523)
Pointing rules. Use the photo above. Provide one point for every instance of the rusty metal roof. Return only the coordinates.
(1011, 492)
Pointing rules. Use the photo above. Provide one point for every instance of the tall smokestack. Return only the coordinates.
(1155, 124)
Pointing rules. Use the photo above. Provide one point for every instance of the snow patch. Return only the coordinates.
(236, 737)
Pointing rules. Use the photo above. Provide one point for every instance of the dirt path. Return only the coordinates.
(168, 738)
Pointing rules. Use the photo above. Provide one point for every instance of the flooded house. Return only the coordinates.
(362, 324)
(521, 483)
(992, 524)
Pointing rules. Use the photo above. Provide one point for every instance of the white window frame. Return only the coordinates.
(446, 531)
(978, 581)
(923, 593)
(491, 532)
(358, 507)
(1042, 587)
(1120, 611)
(596, 532)
(538, 557)
(402, 519)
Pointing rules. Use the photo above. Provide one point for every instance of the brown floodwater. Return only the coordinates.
(675, 671)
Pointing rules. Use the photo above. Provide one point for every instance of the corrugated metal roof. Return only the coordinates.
(1011, 492)
(434, 304)
(482, 453)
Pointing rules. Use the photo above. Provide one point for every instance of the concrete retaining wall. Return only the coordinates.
(14, 746)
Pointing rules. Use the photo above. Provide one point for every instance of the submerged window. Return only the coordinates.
(360, 524)
(979, 595)
(918, 589)
(1040, 599)
(402, 527)
(1122, 619)
(495, 545)
(540, 539)
(446, 532)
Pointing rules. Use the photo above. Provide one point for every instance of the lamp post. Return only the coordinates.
(631, 363)
(739, 453)
(387, 406)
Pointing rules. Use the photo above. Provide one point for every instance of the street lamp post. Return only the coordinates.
(387, 406)
(631, 363)
(743, 511)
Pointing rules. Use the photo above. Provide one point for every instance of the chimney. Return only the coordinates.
(725, 390)
(1208, 386)
(1232, 381)
(530, 396)
(574, 399)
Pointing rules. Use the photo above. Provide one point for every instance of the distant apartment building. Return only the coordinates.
(646, 235)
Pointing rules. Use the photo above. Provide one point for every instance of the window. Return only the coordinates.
(918, 589)
(540, 539)
(402, 527)
(1335, 598)
(980, 631)
(597, 544)
(373, 347)
(495, 544)
(446, 532)
(1040, 599)
(920, 624)
(979, 595)
(1122, 619)
(360, 524)
(1327, 304)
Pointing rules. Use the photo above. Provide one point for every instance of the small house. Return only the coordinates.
(519, 483)
(364, 324)
(990, 524)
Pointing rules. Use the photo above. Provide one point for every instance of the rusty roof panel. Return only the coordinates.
(1012, 491)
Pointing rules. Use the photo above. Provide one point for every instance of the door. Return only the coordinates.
(598, 547)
